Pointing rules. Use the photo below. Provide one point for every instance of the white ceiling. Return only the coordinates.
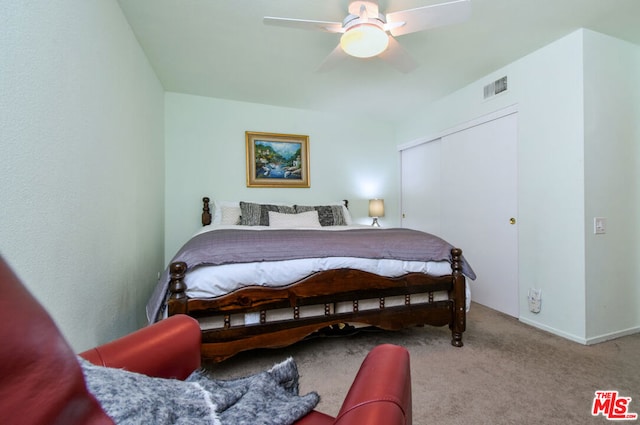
(221, 49)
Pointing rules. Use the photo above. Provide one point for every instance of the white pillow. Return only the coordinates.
(347, 214)
(230, 214)
(305, 219)
(218, 206)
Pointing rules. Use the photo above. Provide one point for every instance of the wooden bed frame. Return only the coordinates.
(324, 289)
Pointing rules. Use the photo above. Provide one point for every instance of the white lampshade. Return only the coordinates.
(364, 41)
(376, 207)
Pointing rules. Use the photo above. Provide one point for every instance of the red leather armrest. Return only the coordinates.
(381, 391)
(167, 349)
(315, 418)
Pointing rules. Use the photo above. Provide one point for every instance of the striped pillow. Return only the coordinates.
(252, 214)
(329, 215)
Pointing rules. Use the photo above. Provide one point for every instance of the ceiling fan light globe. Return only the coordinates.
(364, 41)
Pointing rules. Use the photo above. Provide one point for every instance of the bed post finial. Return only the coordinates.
(206, 212)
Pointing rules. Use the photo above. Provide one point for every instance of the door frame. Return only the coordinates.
(512, 109)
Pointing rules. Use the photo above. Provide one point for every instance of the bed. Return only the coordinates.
(269, 275)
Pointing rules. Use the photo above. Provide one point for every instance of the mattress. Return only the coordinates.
(210, 281)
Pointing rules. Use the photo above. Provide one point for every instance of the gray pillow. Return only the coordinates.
(252, 214)
(329, 215)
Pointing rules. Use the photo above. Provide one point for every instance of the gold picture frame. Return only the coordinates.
(277, 160)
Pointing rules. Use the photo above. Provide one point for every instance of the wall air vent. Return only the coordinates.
(496, 87)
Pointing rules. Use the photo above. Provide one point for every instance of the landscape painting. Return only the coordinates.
(277, 160)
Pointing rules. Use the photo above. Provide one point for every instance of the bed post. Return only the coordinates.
(458, 319)
(206, 212)
(177, 299)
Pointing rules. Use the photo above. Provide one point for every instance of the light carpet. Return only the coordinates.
(506, 373)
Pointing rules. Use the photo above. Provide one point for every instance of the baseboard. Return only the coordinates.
(613, 335)
(581, 340)
(554, 331)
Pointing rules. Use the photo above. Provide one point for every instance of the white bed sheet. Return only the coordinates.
(213, 281)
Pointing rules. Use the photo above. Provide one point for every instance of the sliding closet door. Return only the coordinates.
(420, 193)
(479, 207)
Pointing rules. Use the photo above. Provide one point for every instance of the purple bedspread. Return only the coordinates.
(225, 246)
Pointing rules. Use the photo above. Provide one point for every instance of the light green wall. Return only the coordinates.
(351, 158)
(554, 216)
(82, 170)
(612, 141)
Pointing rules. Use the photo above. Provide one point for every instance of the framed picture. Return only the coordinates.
(277, 160)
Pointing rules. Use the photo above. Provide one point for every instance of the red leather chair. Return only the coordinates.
(41, 381)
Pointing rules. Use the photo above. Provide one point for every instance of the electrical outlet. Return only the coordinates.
(535, 300)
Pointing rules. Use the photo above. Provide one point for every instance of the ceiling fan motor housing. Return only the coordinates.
(363, 12)
(354, 20)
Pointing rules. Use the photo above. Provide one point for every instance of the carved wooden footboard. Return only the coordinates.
(339, 295)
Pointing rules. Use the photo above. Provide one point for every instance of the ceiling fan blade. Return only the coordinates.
(398, 57)
(304, 24)
(427, 17)
(331, 61)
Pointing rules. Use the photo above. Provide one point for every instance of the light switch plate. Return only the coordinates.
(599, 225)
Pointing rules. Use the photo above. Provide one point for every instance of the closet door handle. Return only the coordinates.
(512, 220)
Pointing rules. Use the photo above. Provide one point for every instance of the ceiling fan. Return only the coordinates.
(367, 33)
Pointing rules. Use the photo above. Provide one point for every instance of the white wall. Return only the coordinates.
(548, 88)
(350, 158)
(612, 181)
(81, 176)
